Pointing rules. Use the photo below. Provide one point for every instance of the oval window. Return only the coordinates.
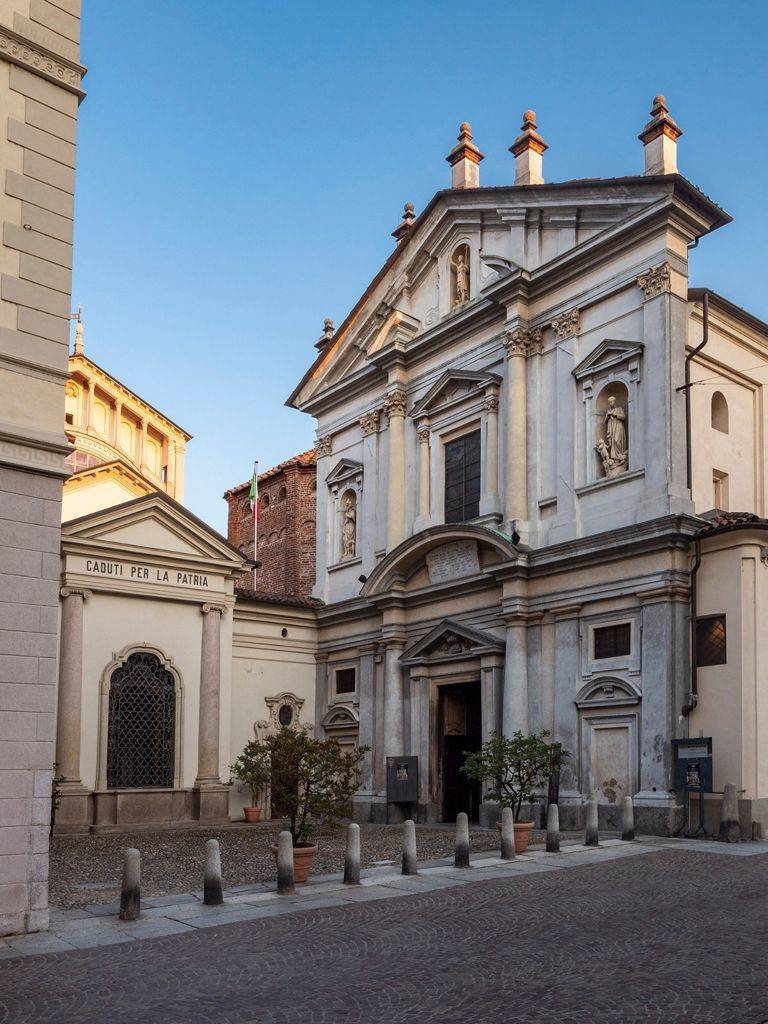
(285, 714)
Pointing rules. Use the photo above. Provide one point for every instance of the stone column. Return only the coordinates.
(212, 803)
(393, 699)
(492, 695)
(321, 691)
(567, 678)
(72, 814)
(170, 461)
(89, 406)
(424, 517)
(368, 538)
(516, 461)
(489, 499)
(118, 417)
(394, 407)
(142, 441)
(514, 714)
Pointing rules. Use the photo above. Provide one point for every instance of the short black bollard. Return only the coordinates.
(130, 890)
(285, 863)
(461, 849)
(213, 890)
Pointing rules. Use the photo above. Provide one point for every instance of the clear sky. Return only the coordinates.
(242, 164)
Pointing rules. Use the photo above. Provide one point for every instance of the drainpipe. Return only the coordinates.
(693, 693)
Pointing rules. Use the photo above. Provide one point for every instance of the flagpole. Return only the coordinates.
(255, 517)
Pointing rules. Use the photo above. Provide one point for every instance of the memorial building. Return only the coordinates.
(532, 433)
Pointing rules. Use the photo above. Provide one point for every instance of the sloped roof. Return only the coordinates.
(307, 458)
(269, 597)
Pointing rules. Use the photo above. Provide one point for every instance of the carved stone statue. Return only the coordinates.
(460, 278)
(612, 449)
(348, 527)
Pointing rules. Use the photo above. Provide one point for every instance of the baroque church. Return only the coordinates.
(541, 477)
(536, 502)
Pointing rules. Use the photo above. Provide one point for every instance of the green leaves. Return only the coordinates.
(253, 769)
(512, 767)
(312, 779)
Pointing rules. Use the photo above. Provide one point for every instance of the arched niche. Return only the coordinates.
(348, 524)
(612, 430)
(719, 413)
(461, 284)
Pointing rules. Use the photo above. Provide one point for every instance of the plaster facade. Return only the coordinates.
(40, 90)
(576, 315)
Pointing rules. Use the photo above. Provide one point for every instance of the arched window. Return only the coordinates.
(719, 412)
(152, 455)
(460, 280)
(265, 501)
(142, 724)
(281, 494)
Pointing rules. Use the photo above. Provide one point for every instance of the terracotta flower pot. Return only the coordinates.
(252, 813)
(523, 831)
(303, 859)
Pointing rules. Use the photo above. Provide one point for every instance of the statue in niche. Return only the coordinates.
(460, 276)
(612, 449)
(349, 526)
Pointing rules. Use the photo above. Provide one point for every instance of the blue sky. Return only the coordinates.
(242, 164)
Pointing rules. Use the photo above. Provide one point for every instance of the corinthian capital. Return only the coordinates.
(395, 403)
(369, 422)
(522, 341)
(566, 324)
(324, 445)
(655, 281)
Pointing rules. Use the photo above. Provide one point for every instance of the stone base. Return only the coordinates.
(116, 810)
(75, 811)
(211, 804)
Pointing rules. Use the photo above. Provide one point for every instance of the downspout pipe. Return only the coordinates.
(693, 692)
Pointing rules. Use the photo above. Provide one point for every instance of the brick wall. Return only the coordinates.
(287, 503)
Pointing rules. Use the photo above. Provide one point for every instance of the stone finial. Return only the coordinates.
(405, 224)
(659, 139)
(527, 149)
(326, 337)
(464, 159)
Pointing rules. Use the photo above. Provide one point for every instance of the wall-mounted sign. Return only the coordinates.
(109, 569)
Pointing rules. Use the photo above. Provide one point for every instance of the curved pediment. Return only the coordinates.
(608, 691)
(456, 562)
(341, 717)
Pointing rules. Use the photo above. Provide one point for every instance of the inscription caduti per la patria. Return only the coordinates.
(147, 573)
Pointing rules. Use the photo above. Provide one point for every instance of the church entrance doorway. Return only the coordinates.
(460, 732)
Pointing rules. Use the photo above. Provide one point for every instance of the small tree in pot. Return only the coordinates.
(512, 767)
(311, 780)
(253, 770)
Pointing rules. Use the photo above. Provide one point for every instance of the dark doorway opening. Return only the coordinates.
(460, 732)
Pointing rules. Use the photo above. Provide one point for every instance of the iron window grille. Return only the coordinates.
(613, 641)
(711, 641)
(142, 724)
(345, 680)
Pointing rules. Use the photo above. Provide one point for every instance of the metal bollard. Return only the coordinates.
(507, 833)
(352, 856)
(461, 849)
(627, 820)
(591, 833)
(410, 866)
(213, 894)
(285, 863)
(553, 829)
(130, 890)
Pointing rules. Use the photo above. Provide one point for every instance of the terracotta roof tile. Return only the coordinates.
(307, 458)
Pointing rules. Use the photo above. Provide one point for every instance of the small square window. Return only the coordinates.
(613, 641)
(345, 680)
(711, 645)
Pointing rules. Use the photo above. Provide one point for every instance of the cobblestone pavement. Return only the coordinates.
(86, 869)
(669, 937)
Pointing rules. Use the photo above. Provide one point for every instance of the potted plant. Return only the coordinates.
(312, 780)
(253, 770)
(512, 767)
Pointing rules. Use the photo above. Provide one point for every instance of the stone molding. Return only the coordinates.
(522, 341)
(205, 609)
(369, 422)
(566, 324)
(76, 592)
(656, 280)
(32, 57)
(324, 445)
(395, 403)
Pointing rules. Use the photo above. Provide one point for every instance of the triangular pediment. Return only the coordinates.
(453, 387)
(609, 353)
(152, 526)
(451, 640)
(345, 469)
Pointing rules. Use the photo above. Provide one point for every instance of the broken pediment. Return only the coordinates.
(610, 353)
(451, 640)
(454, 386)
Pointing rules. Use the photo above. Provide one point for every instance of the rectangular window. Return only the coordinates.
(345, 680)
(720, 490)
(711, 646)
(462, 478)
(613, 641)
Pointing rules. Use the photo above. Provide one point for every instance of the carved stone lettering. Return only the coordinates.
(453, 561)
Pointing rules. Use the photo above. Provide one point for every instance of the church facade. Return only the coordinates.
(525, 462)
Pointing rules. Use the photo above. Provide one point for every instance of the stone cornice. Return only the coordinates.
(35, 58)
